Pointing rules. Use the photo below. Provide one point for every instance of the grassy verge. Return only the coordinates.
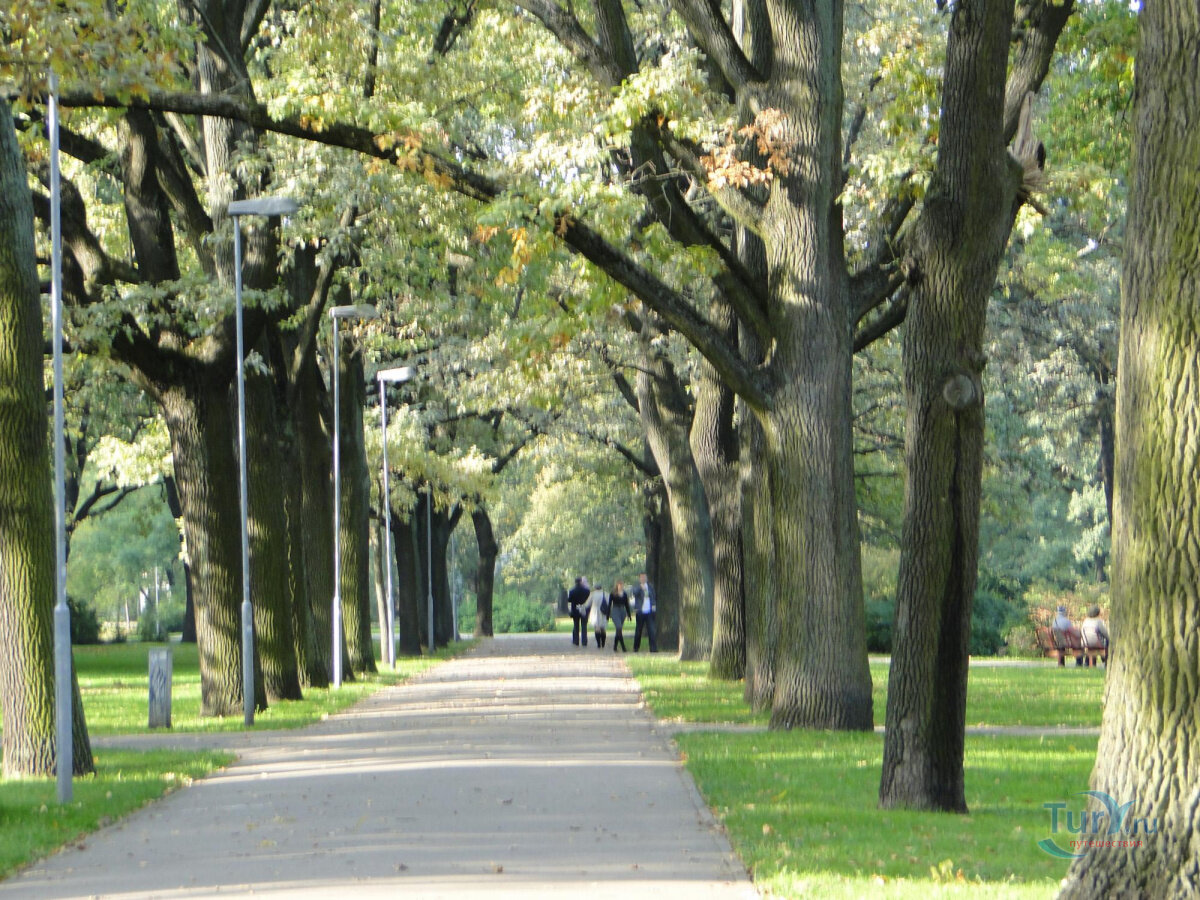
(800, 809)
(32, 824)
(996, 695)
(114, 682)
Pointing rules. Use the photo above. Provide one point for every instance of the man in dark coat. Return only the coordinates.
(645, 611)
(575, 598)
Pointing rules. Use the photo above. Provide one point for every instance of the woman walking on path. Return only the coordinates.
(597, 603)
(618, 611)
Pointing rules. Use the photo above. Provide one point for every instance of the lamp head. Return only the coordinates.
(396, 376)
(357, 311)
(264, 206)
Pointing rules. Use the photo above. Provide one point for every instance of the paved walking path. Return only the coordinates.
(528, 768)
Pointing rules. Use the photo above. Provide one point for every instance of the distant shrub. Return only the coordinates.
(85, 624)
(512, 613)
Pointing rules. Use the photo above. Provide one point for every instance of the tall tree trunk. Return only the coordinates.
(198, 420)
(1149, 751)
(443, 604)
(408, 584)
(714, 441)
(422, 529)
(27, 551)
(953, 257)
(758, 556)
(274, 635)
(660, 561)
(356, 498)
(485, 572)
(311, 414)
(667, 417)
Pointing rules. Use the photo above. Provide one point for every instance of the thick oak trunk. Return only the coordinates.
(199, 423)
(27, 551)
(954, 254)
(1149, 752)
(356, 496)
(311, 414)
(269, 577)
(714, 442)
(408, 584)
(667, 417)
(485, 572)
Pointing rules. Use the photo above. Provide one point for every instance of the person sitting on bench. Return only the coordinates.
(1066, 636)
(1095, 634)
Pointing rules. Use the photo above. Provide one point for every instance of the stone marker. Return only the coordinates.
(160, 688)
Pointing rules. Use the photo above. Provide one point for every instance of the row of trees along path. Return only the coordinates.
(776, 333)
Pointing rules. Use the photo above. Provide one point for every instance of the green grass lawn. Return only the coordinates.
(32, 824)
(114, 682)
(996, 695)
(800, 807)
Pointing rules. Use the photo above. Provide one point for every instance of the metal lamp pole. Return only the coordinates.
(360, 311)
(385, 377)
(63, 736)
(262, 206)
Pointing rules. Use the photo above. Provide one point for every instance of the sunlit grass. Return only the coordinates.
(800, 809)
(32, 824)
(1041, 696)
(114, 682)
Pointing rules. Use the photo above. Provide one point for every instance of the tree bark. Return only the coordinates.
(27, 551)
(408, 584)
(274, 635)
(312, 413)
(1149, 751)
(485, 572)
(356, 497)
(952, 260)
(198, 421)
(714, 441)
(667, 418)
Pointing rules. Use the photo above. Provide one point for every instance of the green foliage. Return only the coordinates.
(33, 825)
(512, 613)
(85, 625)
(113, 558)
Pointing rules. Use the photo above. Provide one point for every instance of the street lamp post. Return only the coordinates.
(261, 206)
(360, 311)
(385, 377)
(63, 736)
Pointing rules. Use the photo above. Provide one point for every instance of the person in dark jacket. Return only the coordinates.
(618, 609)
(576, 597)
(645, 609)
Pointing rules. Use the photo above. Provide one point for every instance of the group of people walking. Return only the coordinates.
(591, 607)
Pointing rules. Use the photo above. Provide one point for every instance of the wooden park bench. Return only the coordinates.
(1057, 644)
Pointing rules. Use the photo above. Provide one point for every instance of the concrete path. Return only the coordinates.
(528, 768)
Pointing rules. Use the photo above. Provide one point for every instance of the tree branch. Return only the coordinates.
(671, 304)
(566, 28)
(1038, 26)
(713, 35)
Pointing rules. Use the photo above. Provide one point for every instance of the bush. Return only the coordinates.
(512, 613)
(85, 624)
